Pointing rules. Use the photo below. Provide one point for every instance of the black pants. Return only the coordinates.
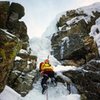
(46, 77)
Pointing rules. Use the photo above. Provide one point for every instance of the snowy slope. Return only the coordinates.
(41, 47)
(60, 93)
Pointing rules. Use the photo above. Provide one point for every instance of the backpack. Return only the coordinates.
(40, 67)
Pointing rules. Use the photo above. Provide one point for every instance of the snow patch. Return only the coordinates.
(68, 28)
(17, 58)
(77, 19)
(29, 62)
(66, 39)
(23, 51)
(73, 97)
(61, 68)
(9, 94)
(90, 9)
(98, 61)
(8, 33)
(95, 33)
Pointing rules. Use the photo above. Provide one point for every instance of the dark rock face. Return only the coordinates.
(20, 30)
(9, 47)
(87, 80)
(23, 73)
(16, 67)
(4, 8)
(14, 26)
(72, 44)
(17, 9)
(9, 20)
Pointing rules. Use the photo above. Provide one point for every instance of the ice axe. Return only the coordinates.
(48, 57)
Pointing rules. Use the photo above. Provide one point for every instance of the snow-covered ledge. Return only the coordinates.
(9, 94)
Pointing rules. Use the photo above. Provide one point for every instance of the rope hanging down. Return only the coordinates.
(47, 94)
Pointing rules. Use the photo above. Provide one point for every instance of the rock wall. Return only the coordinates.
(16, 62)
(72, 44)
(9, 47)
(23, 73)
(16, 27)
(87, 80)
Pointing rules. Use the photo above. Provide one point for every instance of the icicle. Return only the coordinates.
(65, 40)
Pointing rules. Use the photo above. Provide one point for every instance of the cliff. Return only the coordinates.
(16, 62)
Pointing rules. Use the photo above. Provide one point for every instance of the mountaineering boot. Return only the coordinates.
(44, 88)
(53, 81)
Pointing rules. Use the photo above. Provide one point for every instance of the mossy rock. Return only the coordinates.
(10, 46)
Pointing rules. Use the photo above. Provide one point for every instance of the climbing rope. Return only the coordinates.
(47, 94)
